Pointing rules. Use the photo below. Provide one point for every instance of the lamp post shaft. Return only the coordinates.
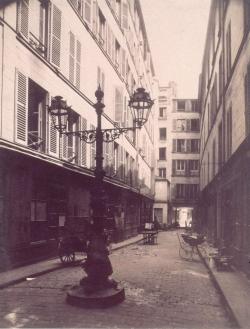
(97, 197)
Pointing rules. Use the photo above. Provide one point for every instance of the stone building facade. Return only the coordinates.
(225, 122)
(68, 48)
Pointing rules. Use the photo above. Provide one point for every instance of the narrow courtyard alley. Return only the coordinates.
(162, 291)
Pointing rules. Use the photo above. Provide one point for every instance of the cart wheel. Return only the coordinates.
(67, 256)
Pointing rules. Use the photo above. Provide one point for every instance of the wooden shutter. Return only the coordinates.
(21, 108)
(188, 145)
(174, 145)
(23, 18)
(109, 41)
(123, 66)
(118, 104)
(78, 64)
(95, 17)
(56, 36)
(247, 100)
(125, 15)
(71, 57)
(187, 167)
(64, 146)
(53, 139)
(173, 167)
(112, 47)
(84, 145)
(174, 125)
(87, 11)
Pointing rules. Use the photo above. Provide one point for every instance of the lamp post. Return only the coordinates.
(96, 289)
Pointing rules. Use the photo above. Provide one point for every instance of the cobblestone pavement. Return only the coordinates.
(162, 291)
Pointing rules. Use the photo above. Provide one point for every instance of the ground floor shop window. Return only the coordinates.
(38, 221)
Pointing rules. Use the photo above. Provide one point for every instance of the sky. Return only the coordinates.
(176, 32)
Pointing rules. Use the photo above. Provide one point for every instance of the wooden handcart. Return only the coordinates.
(188, 244)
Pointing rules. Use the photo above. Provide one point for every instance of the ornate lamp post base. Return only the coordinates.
(105, 297)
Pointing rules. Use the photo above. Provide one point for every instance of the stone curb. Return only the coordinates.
(57, 267)
(229, 310)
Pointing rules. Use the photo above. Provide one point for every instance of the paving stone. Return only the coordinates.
(162, 291)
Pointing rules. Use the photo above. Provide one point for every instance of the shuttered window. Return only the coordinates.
(53, 139)
(95, 17)
(125, 15)
(123, 59)
(109, 41)
(71, 57)
(247, 100)
(64, 146)
(118, 105)
(75, 49)
(87, 11)
(78, 64)
(56, 36)
(84, 145)
(21, 107)
(23, 18)
(53, 142)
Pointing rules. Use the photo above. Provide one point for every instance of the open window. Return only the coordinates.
(37, 97)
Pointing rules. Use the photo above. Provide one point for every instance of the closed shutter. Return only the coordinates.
(95, 18)
(64, 146)
(71, 57)
(84, 145)
(41, 24)
(21, 107)
(188, 145)
(247, 100)
(188, 125)
(173, 167)
(23, 18)
(187, 167)
(174, 145)
(123, 68)
(118, 104)
(56, 36)
(174, 124)
(78, 64)
(124, 115)
(53, 139)
(125, 15)
(109, 41)
(112, 47)
(87, 11)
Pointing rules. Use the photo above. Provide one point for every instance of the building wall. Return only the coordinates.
(185, 138)
(69, 53)
(225, 129)
(162, 143)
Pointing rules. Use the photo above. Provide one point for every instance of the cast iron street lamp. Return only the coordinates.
(97, 289)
